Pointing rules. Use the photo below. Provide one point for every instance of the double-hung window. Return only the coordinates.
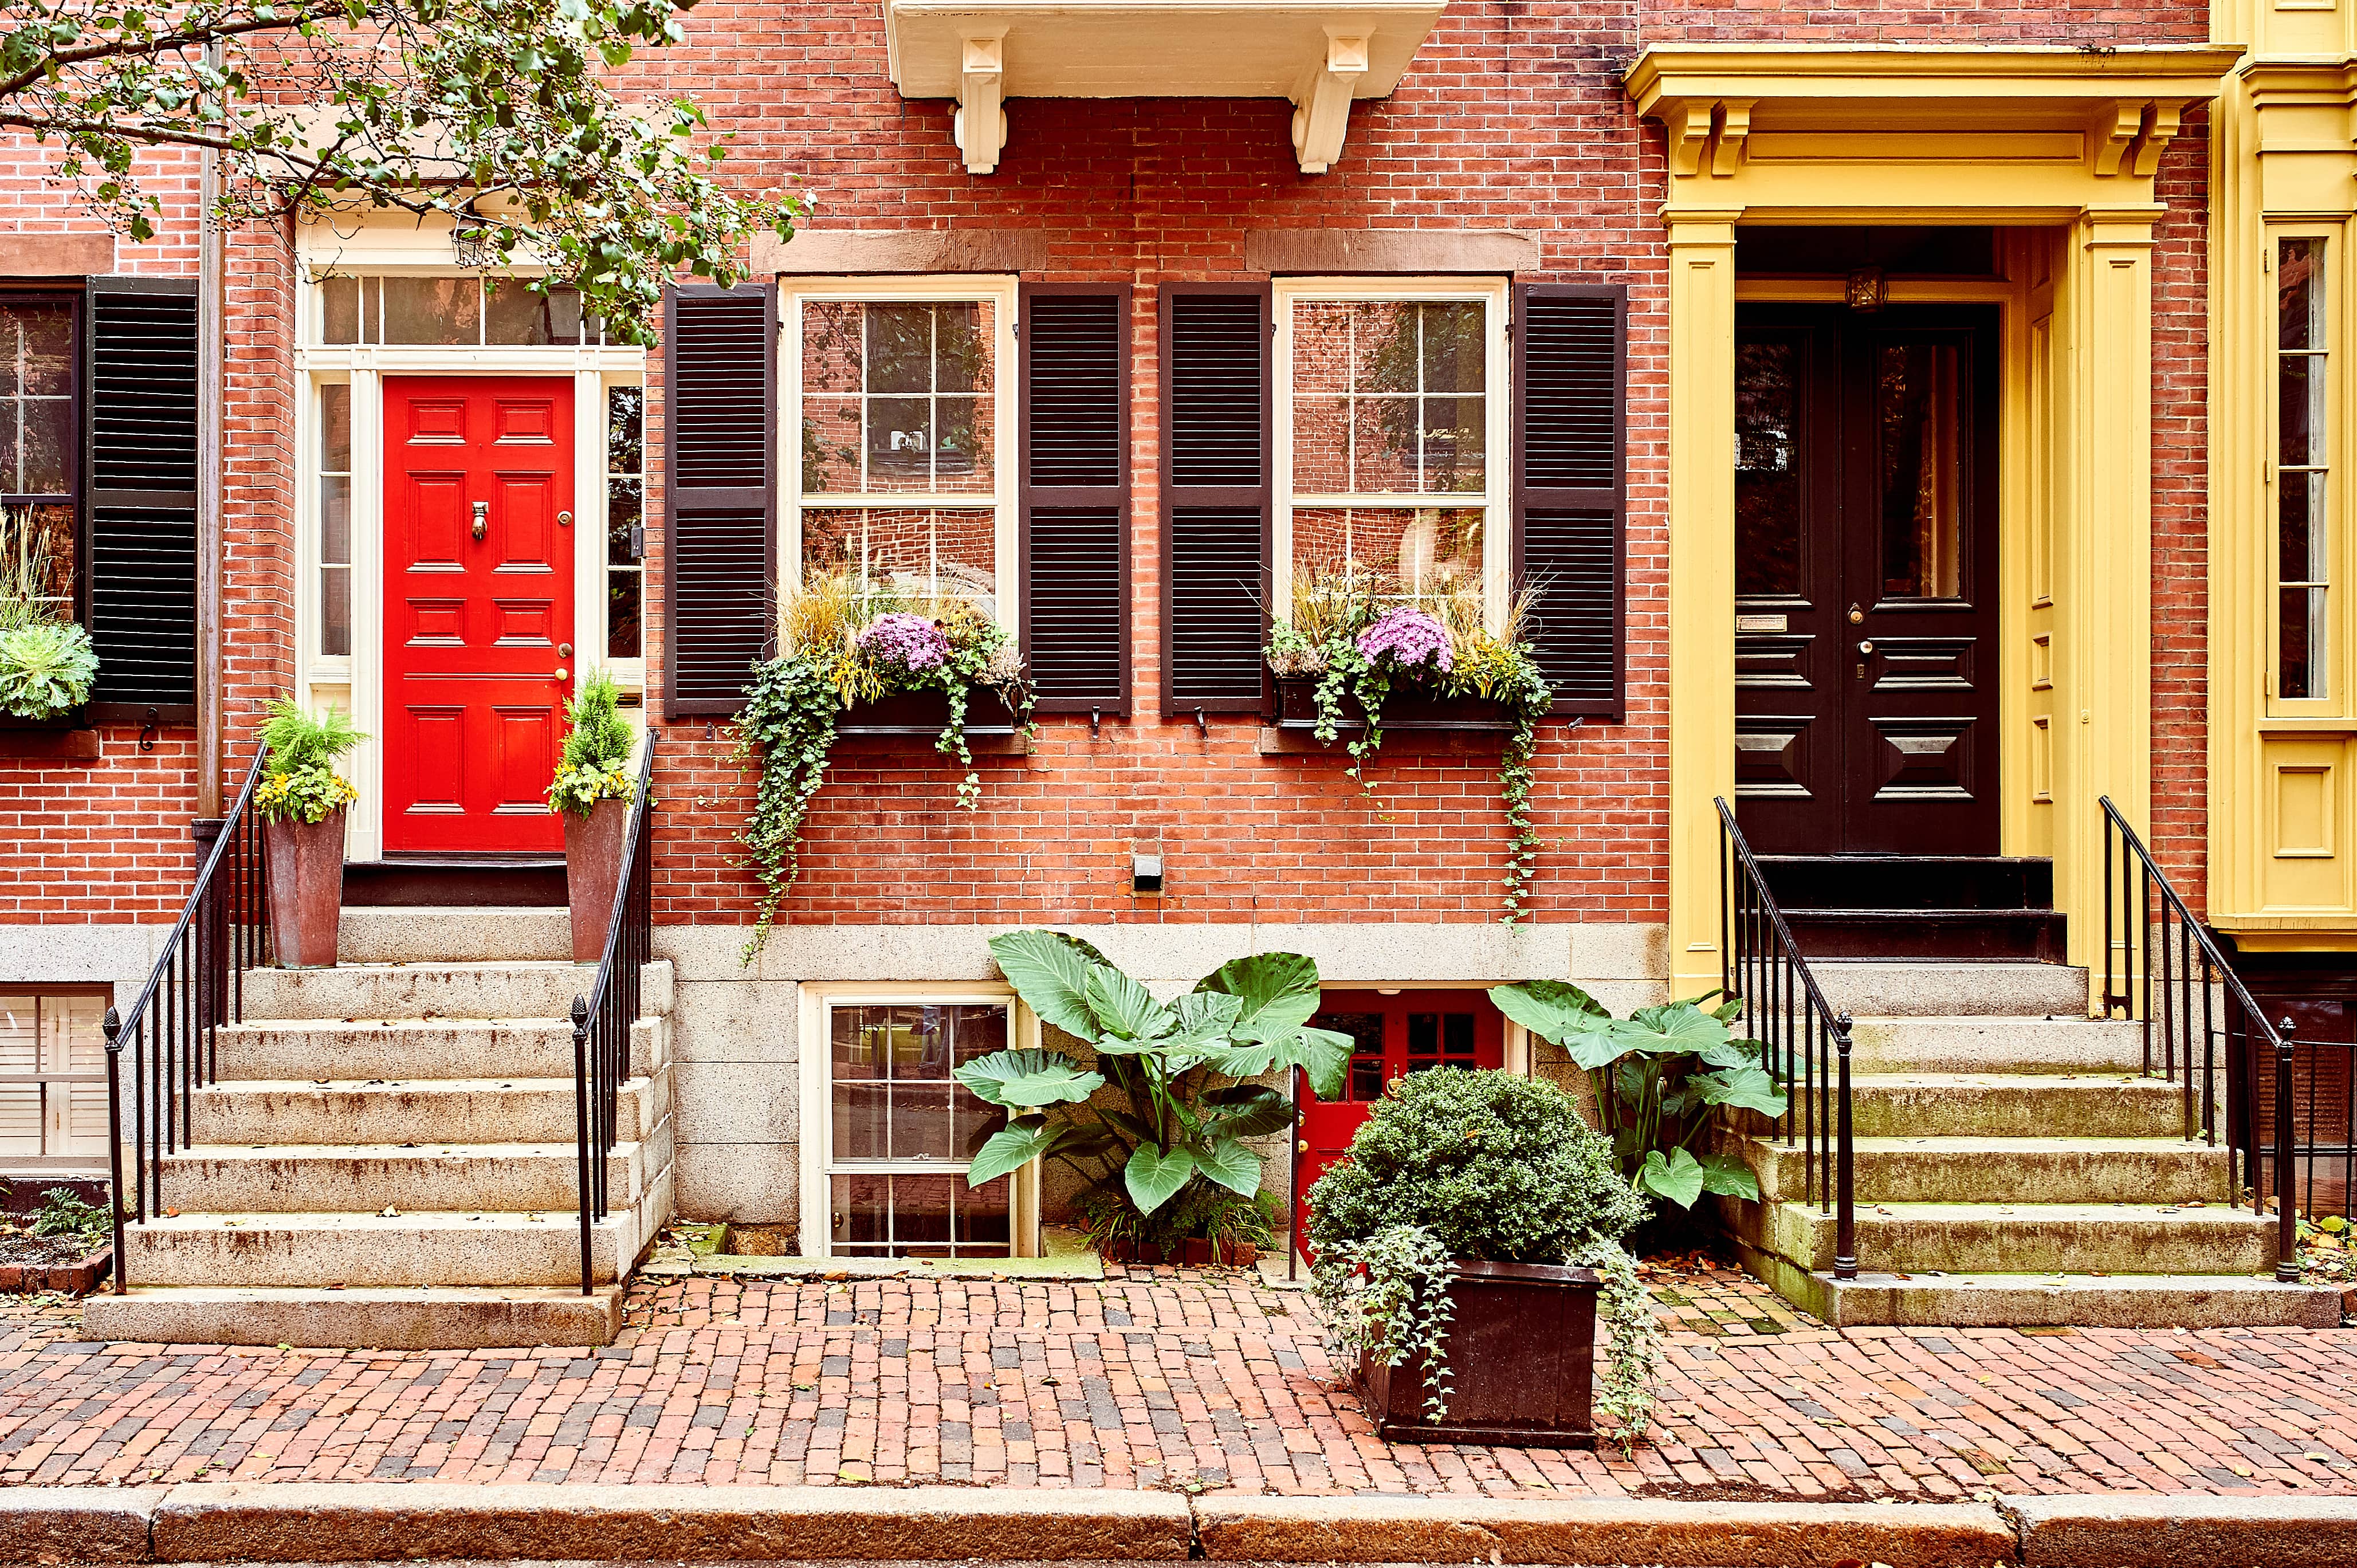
(40, 432)
(1391, 428)
(901, 479)
(899, 1131)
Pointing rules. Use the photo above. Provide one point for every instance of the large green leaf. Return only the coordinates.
(1678, 1179)
(1595, 1044)
(1278, 990)
(1727, 1176)
(1204, 1018)
(1050, 972)
(1324, 1055)
(1016, 1144)
(1029, 1079)
(1674, 1028)
(1130, 1126)
(1551, 1009)
(1231, 1165)
(1154, 1177)
(1124, 1007)
(1747, 1087)
(1250, 1110)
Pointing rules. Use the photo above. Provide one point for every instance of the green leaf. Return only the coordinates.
(1727, 1176)
(1325, 1055)
(1278, 990)
(1551, 1009)
(1231, 1165)
(1250, 1110)
(1747, 1087)
(1029, 1079)
(1595, 1047)
(1154, 1177)
(1678, 1179)
(1014, 1146)
(1126, 1008)
(1050, 972)
(1674, 1028)
(1205, 1017)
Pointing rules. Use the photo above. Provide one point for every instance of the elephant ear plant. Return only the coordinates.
(1173, 1120)
(1661, 1076)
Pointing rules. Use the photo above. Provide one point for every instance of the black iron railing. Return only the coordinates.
(163, 1048)
(1805, 1044)
(2201, 1030)
(602, 1020)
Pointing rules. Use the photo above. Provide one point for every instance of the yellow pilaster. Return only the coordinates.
(1702, 581)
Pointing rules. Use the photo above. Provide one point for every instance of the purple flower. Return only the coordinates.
(909, 642)
(1410, 638)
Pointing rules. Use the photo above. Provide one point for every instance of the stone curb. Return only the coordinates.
(267, 1522)
(1602, 1530)
(2148, 1531)
(364, 1523)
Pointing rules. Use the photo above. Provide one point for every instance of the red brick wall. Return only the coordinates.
(1898, 21)
(2181, 513)
(1511, 117)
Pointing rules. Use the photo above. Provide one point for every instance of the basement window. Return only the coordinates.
(901, 1131)
(52, 1081)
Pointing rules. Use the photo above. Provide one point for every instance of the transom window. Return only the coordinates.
(1390, 407)
(468, 310)
(2303, 470)
(903, 487)
(901, 1131)
(37, 444)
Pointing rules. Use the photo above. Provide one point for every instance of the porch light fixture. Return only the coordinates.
(1866, 291)
(470, 242)
(1146, 872)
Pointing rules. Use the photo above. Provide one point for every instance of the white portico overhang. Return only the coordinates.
(1316, 53)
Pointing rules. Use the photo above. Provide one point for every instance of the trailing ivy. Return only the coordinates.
(1340, 634)
(849, 645)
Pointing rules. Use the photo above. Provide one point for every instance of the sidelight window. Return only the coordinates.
(2303, 442)
(626, 495)
(1392, 410)
(903, 483)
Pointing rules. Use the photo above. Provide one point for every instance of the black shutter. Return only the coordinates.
(720, 489)
(139, 492)
(1570, 490)
(1215, 497)
(1075, 481)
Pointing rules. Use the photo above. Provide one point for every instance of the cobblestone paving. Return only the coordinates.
(1160, 1378)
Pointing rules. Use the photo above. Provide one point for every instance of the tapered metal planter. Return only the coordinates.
(1521, 1357)
(306, 866)
(593, 872)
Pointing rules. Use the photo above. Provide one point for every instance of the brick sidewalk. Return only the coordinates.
(1162, 1378)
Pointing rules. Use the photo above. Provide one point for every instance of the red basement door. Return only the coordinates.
(478, 611)
(1392, 1035)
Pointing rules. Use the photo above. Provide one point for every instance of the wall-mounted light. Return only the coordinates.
(1387, 991)
(1146, 871)
(1865, 291)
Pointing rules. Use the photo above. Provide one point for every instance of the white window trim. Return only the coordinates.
(1495, 499)
(999, 291)
(355, 681)
(817, 1114)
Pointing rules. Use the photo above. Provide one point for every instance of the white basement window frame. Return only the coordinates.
(831, 512)
(52, 1078)
(823, 1163)
(1355, 504)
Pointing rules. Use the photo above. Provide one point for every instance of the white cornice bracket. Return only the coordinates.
(980, 125)
(1321, 115)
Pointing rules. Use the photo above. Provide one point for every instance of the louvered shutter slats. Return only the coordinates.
(1570, 494)
(720, 468)
(140, 496)
(1075, 502)
(1215, 496)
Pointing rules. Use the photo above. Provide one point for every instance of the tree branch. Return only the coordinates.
(151, 47)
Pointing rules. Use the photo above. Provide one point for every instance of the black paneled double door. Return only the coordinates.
(1865, 580)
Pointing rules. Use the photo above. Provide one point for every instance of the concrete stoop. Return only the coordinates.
(388, 1157)
(2014, 1168)
(380, 1522)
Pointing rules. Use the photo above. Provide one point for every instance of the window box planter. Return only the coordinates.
(1521, 1363)
(1406, 710)
(926, 713)
(69, 737)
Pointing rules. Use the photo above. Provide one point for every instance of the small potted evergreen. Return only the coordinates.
(592, 791)
(1466, 1247)
(303, 800)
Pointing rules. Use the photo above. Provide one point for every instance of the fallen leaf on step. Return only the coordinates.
(171, 1214)
(337, 1285)
(2326, 1457)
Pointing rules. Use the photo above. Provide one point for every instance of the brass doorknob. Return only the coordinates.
(565, 520)
(1305, 1145)
(1866, 648)
(560, 671)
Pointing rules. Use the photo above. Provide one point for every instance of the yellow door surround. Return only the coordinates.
(2058, 140)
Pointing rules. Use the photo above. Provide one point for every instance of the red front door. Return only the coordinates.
(478, 609)
(1393, 1035)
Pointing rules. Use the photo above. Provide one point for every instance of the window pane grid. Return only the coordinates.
(2303, 560)
(897, 398)
(452, 311)
(625, 503)
(336, 519)
(896, 1106)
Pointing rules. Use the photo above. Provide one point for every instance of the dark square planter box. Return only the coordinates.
(1521, 1363)
(925, 712)
(1406, 709)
